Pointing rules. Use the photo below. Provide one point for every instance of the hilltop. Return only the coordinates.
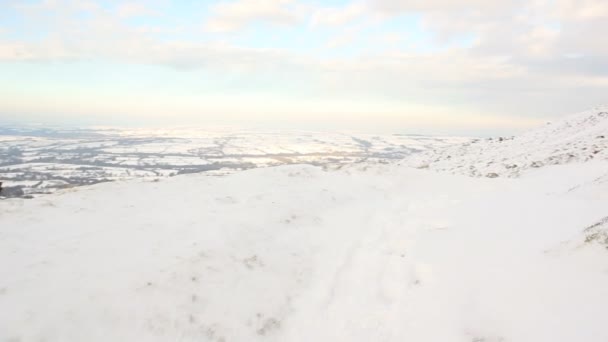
(579, 138)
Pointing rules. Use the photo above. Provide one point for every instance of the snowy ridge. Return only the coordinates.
(579, 138)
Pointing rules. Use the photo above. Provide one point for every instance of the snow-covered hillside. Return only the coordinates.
(579, 138)
(299, 253)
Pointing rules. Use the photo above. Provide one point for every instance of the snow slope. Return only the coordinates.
(578, 138)
(298, 253)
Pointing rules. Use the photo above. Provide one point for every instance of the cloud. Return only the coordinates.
(392, 7)
(134, 9)
(529, 38)
(532, 34)
(235, 15)
(337, 16)
(531, 58)
(581, 9)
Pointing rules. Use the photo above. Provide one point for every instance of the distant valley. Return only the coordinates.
(36, 161)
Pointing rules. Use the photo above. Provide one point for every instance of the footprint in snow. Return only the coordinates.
(226, 200)
(253, 262)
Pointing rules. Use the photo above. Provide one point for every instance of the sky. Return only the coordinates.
(418, 66)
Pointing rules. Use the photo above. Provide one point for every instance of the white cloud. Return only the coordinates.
(518, 62)
(581, 9)
(395, 6)
(134, 9)
(235, 15)
(337, 16)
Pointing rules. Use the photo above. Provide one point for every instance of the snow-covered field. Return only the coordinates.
(35, 161)
(300, 253)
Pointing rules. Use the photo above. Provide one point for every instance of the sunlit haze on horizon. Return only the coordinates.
(469, 67)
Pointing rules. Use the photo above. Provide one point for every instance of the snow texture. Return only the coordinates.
(579, 138)
(299, 253)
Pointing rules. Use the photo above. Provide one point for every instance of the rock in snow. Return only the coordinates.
(296, 253)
